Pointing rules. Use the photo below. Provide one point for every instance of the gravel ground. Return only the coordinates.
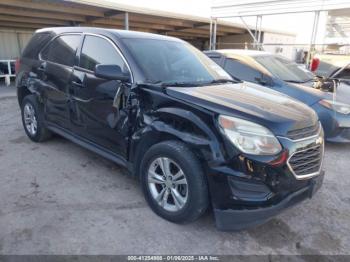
(58, 198)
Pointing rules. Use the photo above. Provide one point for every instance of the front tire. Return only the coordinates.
(32, 119)
(173, 182)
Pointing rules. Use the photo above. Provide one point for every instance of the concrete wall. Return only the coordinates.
(12, 43)
(280, 44)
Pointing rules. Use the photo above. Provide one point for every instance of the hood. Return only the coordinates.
(304, 92)
(342, 93)
(274, 110)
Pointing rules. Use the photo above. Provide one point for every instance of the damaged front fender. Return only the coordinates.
(178, 124)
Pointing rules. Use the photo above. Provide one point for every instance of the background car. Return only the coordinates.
(287, 77)
(333, 65)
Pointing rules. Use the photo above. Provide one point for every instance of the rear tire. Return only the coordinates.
(33, 119)
(179, 194)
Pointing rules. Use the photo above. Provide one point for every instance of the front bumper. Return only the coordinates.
(238, 219)
(248, 190)
(336, 126)
(340, 135)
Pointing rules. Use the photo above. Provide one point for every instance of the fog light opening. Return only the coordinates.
(282, 159)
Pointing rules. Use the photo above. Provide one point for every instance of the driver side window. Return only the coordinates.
(97, 50)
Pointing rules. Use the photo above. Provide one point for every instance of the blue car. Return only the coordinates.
(287, 77)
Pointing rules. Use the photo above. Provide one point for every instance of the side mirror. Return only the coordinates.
(326, 84)
(110, 72)
(264, 80)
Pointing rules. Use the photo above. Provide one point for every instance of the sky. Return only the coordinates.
(300, 24)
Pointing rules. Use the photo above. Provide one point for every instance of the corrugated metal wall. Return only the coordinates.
(12, 43)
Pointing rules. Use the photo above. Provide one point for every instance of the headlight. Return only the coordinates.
(336, 106)
(249, 137)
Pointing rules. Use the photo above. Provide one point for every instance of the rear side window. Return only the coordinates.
(35, 44)
(97, 50)
(62, 50)
(241, 70)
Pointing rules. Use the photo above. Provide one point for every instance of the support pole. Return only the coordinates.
(7, 77)
(214, 34)
(256, 29)
(211, 34)
(313, 38)
(212, 39)
(126, 21)
(259, 34)
(248, 29)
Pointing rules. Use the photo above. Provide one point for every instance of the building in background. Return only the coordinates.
(12, 42)
(273, 41)
(337, 38)
(20, 18)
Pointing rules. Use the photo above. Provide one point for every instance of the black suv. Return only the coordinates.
(193, 136)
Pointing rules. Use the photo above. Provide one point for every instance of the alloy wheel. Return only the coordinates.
(30, 120)
(167, 184)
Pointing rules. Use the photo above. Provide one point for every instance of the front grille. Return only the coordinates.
(303, 132)
(306, 162)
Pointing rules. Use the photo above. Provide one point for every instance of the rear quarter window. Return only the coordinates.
(62, 50)
(36, 43)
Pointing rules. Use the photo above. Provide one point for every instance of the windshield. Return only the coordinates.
(285, 69)
(164, 61)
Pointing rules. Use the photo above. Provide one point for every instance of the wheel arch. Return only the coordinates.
(27, 84)
(22, 92)
(179, 125)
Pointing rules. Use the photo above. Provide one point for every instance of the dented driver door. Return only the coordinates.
(98, 108)
(98, 111)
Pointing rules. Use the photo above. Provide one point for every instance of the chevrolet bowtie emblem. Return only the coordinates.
(319, 140)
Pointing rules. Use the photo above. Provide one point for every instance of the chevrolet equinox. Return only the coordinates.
(195, 137)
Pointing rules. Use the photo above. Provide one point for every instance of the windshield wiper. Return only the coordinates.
(223, 80)
(163, 84)
(292, 81)
(309, 80)
(188, 84)
(299, 82)
(180, 84)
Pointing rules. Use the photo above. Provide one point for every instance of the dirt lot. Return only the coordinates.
(57, 198)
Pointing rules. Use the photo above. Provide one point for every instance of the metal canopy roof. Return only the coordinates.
(338, 26)
(34, 14)
(244, 8)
